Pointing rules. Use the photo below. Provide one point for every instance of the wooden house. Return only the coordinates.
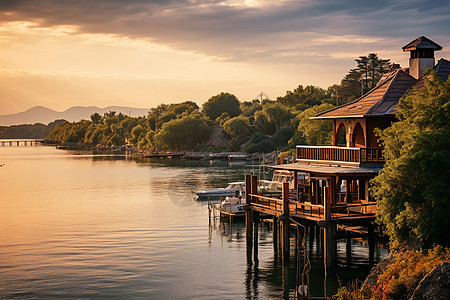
(336, 185)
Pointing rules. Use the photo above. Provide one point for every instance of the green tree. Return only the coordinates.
(304, 97)
(238, 127)
(262, 123)
(183, 133)
(315, 132)
(277, 114)
(371, 68)
(412, 189)
(221, 103)
(96, 118)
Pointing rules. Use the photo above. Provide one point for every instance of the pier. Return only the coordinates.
(293, 218)
(26, 142)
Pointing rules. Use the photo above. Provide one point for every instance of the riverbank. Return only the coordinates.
(405, 274)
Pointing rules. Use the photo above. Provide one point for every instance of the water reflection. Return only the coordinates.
(268, 271)
(75, 225)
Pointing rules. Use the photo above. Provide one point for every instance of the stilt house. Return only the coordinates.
(332, 182)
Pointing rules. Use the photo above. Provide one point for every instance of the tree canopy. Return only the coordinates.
(221, 103)
(183, 133)
(412, 189)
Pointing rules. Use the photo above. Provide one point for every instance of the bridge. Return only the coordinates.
(26, 142)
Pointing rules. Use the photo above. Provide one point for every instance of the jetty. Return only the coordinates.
(26, 142)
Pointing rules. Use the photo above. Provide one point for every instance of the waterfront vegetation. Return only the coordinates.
(256, 125)
(401, 277)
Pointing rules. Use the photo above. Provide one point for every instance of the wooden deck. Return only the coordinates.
(336, 154)
(312, 212)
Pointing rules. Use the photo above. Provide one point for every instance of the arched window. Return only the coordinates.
(358, 136)
(341, 139)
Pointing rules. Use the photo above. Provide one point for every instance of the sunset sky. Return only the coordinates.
(144, 52)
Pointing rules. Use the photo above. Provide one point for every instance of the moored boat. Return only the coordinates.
(233, 189)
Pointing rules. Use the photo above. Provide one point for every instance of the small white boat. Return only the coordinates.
(233, 189)
(232, 206)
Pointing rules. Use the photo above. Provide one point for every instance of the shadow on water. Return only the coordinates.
(267, 275)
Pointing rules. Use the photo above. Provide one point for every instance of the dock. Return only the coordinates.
(294, 218)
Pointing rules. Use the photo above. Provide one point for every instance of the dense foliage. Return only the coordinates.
(27, 131)
(412, 189)
(402, 276)
(259, 125)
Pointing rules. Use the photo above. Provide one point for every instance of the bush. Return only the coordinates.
(406, 270)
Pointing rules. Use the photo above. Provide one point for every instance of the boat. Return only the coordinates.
(232, 190)
(231, 207)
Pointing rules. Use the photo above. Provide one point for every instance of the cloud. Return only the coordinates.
(241, 46)
(243, 30)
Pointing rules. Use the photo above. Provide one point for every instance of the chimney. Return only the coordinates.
(422, 55)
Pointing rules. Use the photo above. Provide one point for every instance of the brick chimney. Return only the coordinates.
(422, 55)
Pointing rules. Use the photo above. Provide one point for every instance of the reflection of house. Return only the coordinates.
(336, 187)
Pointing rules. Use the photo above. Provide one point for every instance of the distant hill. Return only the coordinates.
(40, 114)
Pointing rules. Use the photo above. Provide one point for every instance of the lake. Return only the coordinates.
(76, 225)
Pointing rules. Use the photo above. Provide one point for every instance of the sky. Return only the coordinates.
(141, 53)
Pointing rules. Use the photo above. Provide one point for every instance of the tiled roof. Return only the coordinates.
(442, 69)
(421, 43)
(377, 102)
(325, 169)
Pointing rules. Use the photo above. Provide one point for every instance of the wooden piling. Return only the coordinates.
(255, 235)
(327, 203)
(275, 235)
(248, 215)
(329, 243)
(285, 223)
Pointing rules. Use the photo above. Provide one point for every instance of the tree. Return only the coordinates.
(358, 81)
(262, 123)
(223, 102)
(371, 68)
(96, 118)
(183, 133)
(304, 97)
(237, 127)
(277, 114)
(315, 132)
(412, 189)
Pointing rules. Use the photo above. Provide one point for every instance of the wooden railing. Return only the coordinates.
(307, 209)
(339, 154)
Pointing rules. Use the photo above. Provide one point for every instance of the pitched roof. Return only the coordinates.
(377, 102)
(442, 69)
(328, 169)
(421, 43)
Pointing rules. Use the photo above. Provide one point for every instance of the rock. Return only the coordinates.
(376, 271)
(435, 285)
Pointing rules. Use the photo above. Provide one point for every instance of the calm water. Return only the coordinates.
(82, 226)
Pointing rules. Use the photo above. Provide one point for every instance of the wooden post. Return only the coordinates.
(349, 250)
(327, 205)
(255, 235)
(248, 216)
(275, 235)
(329, 250)
(285, 194)
(248, 188)
(254, 184)
(286, 223)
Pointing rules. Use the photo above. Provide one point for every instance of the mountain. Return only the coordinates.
(40, 114)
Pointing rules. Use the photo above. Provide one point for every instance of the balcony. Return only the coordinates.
(339, 155)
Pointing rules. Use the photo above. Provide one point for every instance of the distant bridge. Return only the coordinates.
(26, 142)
